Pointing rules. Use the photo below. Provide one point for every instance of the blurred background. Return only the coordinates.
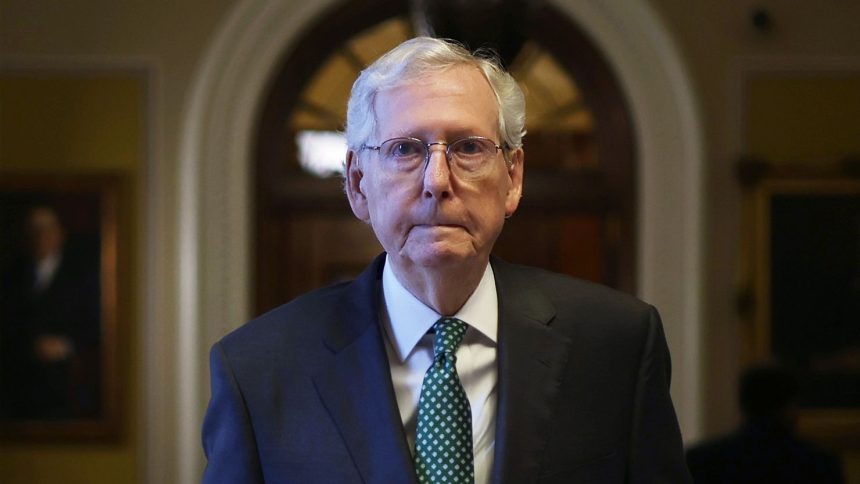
(704, 156)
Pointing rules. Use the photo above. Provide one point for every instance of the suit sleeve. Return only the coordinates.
(228, 437)
(656, 454)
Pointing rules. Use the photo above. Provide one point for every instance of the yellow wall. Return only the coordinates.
(803, 118)
(168, 39)
(83, 123)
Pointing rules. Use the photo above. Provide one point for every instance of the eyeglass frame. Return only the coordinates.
(503, 148)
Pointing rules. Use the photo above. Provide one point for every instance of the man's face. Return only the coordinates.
(431, 217)
(45, 233)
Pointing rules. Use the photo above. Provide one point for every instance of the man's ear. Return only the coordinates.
(353, 186)
(515, 190)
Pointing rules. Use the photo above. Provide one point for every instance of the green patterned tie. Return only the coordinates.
(443, 445)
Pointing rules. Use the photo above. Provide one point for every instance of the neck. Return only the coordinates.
(444, 289)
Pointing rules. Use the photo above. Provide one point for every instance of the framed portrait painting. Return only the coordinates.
(805, 257)
(58, 306)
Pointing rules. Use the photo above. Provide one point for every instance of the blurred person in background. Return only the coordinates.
(766, 448)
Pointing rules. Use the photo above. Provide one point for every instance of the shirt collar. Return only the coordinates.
(409, 319)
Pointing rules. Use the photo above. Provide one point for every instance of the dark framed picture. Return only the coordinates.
(806, 279)
(58, 306)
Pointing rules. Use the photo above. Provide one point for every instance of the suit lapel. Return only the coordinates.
(530, 358)
(356, 387)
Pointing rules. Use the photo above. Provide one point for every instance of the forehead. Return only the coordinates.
(456, 100)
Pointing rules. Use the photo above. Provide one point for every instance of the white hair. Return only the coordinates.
(418, 57)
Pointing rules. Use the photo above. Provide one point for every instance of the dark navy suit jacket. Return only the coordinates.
(303, 393)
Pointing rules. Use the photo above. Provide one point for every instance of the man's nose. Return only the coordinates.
(437, 173)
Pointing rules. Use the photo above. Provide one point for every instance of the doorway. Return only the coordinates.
(577, 215)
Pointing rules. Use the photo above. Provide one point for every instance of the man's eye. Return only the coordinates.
(404, 149)
(469, 148)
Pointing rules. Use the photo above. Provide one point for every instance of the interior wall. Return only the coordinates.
(83, 123)
(165, 39)
(721, 48)
(804, 114)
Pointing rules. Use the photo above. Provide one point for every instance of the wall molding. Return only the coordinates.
(671, 163)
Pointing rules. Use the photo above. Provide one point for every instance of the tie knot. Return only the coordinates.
(449, 334)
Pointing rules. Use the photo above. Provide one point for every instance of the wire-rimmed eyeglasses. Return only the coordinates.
(470, 156)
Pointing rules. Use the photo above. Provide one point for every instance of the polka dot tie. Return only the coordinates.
(443, 443)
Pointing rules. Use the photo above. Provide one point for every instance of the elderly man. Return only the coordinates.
(441, 363)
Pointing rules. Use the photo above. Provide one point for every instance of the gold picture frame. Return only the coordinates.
(798, 308)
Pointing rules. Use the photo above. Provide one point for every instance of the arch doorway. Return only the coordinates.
(207, 254)
(577, 215)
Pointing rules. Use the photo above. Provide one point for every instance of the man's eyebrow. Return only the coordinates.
(450, 135)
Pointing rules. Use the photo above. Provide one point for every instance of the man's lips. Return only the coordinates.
(435, 230)
(437, 226)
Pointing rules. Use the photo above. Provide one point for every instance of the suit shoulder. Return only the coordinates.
(305, 326)
(293, 321)
(566, 290)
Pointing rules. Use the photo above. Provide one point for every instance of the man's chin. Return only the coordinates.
(442, 255)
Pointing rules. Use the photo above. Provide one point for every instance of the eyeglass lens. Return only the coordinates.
(468, 154)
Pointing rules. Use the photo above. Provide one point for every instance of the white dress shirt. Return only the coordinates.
(46, 269)
(410, 352)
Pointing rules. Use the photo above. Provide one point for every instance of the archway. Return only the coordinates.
(578, 213)
(213, 199)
